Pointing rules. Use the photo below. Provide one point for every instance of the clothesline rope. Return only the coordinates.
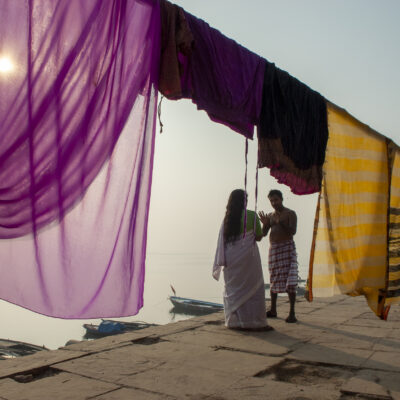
(256, 197)
(159, 113)
(246, 151)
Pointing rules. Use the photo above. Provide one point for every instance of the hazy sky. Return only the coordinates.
(348, 50)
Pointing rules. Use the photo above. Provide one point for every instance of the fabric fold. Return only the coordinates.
(240, 283)
(225, 79)
(292, 131)
(220, 259)
(392, 292)
(77, 121)
(349, 253)
(176, 49)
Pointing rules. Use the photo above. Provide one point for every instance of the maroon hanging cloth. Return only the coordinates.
(176, 49)
(219, 75)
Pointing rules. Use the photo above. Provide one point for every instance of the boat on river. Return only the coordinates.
(13, 348)
(192, 306)
(111, 327)
(301, 287)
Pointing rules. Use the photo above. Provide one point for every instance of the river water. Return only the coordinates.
(189, 274)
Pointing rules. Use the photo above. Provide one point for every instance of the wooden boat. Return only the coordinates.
(13, 348)
(191, 306)
(115, 328)
(300, 287)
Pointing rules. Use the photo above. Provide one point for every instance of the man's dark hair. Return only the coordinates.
(275, 192)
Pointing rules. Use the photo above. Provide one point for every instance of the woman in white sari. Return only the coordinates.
(237, 253)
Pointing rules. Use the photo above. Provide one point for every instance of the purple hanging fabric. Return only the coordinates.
(226, 79)
(77, 121)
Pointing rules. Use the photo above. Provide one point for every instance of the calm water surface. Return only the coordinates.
(189, 274)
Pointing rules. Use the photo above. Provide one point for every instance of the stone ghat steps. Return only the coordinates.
(337, 350)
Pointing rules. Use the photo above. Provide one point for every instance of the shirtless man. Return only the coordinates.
(282, 260)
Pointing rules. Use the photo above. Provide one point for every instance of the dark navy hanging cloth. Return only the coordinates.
(292, 131)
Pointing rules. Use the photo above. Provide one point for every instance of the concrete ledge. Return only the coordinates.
(337, 350)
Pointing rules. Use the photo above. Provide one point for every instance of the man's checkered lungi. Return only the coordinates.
(283, 267)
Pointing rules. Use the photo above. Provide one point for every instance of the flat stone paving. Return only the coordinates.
(338, 350)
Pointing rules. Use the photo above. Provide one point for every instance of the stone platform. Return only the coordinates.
(337, 350)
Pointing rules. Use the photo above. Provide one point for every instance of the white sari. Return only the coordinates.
(244, 294)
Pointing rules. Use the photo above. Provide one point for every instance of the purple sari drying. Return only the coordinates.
(77, 120)
(226, 79)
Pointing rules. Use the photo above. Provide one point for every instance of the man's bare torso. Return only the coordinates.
(283, 225)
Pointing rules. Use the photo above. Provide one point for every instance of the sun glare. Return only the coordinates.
(6, 65)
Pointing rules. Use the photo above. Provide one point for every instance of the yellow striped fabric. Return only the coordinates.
(349, 253)
(393, 275)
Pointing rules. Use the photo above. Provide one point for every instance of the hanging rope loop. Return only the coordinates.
(256, 197)
(159, 113)
(246, 151)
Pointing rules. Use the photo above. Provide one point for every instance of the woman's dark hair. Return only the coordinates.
(233, 215)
